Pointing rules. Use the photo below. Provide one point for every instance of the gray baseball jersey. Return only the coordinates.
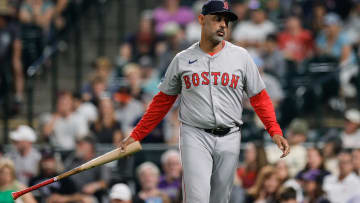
(212, 88)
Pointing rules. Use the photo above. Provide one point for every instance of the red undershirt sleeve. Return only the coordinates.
(158, 108)
(265, 110)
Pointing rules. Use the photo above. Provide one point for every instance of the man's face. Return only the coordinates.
(345, 164)
(215, 27)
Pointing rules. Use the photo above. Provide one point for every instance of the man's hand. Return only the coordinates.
(282, 143)
(123, 144)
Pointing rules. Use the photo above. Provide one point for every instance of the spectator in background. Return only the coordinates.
(193, 29)
(97, 88)
(9, 184)
(171, 11)
(35, 17)
(273, 86)
(63, 191)
(315, 21)
(282, 171)
(91, 182)
(172, 126)
(144, 39)
(312, 183)
(295, 42)
(121, 193)
(10, 53)
(287, 195)
(133, 77)
(122, 59)
(170, 181)
(315, 161)
(352, 25)
(63, 126)
(350, 135)
(274, 62)
(150, 76)
(252, 34)
(26, 158)
(85, 109)
(296, 133)
(356, 161)
(240, 8)
(273, 11)
(128, 109)
(39, 13)
(148, 175)
(265, 188)
(254, 160)
(106, 128)
(341, 188)
(102, 79)
(331, 149)
(334, 42)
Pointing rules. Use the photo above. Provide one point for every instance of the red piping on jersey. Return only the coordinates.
(156, 111)
(265, 110)
(222, 46)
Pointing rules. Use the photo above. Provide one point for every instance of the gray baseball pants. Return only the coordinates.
(209, 164)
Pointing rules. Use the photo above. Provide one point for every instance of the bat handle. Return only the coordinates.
(15, 195)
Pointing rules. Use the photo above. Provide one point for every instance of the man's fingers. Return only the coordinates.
(285, 148)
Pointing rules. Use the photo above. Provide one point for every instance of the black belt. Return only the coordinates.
(219, 131)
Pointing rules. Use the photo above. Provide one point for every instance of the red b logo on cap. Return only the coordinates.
(226, 5)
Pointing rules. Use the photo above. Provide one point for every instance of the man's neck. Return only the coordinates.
(24, 152)
(209, 47)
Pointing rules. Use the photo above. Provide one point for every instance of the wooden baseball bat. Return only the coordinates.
(103, 159)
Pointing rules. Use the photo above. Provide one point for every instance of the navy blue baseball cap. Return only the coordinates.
(218, 6)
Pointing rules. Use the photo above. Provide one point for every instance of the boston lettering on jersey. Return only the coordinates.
(218, 78)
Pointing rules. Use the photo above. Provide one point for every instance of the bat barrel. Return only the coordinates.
(16, 195)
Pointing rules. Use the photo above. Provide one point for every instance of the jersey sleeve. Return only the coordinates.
(253, 82)
(171, 83)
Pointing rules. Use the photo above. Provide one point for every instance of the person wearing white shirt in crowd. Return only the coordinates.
(345, 186)
(356, 160)
(25, 157)
(351, 133)
(253, 33)
(64, 126)
(296, 160)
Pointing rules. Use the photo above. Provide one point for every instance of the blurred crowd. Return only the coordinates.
(307, 54)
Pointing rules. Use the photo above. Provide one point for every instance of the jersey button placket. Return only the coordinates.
(212, 88)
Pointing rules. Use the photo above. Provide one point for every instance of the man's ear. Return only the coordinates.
(201, 19)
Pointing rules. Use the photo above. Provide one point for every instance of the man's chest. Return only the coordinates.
(219, 72)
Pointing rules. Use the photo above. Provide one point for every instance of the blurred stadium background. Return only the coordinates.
(76, 76)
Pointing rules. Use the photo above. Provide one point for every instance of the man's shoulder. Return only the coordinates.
(235, 49)
(190, 51)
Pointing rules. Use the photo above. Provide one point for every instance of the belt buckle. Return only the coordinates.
(215, 130)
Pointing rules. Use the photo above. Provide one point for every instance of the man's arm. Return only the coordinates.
(265, 110)
(158, 108)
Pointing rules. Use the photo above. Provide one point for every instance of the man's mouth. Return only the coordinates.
(220, 33)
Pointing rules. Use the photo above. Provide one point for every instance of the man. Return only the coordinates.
(63, 191)
(170, 181)
(350, 135)
(212, 77)
(296, 134)
(345, 186)
(91, 182)
(121, 193)
(64, 126)
(356, 161)
(26, 158)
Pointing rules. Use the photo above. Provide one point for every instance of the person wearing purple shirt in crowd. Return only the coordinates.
(171, 11)
(170, 181)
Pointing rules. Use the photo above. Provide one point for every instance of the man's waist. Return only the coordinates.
(222, 131)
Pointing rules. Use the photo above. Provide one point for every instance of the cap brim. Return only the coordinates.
(232, 16)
